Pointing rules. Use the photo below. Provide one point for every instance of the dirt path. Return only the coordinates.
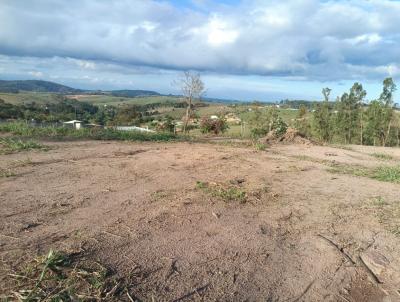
(209, 222)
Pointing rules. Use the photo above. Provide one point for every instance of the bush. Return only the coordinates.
(24, 130)
(216, 126)
(279, 126)
(258, 132)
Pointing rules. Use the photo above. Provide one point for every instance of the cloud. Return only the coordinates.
(36, 74)
(304, 39)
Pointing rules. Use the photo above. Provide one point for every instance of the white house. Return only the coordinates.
(74, 124)
(133, 128)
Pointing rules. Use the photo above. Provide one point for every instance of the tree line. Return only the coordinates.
(351, 120)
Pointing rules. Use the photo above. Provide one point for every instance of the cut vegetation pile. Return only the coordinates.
(292, 136)
(61, 277)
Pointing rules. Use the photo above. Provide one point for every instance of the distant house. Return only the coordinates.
(74, 124)
(133, 128)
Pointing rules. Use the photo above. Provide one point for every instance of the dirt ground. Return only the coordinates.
(297, 233)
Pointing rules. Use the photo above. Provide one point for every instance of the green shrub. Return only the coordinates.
(258, 132)
(279, 126)
(260, 146)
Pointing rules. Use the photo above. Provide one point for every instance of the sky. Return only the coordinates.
(264, 50)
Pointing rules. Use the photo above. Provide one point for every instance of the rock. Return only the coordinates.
(376, 262)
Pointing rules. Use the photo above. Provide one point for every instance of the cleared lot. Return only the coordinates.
(181, 221)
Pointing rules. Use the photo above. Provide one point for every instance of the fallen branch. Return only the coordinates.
(196, 291)
(340, 249)
(304, 292)
(369, 271)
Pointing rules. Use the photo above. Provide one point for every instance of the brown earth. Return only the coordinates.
(297, 232)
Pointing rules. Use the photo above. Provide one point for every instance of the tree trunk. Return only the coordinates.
(361, 129)
(188, 110)
(388, 132)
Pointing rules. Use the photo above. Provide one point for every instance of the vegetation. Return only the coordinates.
(192, 88)
(383, 156)
(226, 193)
(35, 85)
(84, 133)
(10, 145)
(61, 277)
(263, 122)
(382, 173)
(350, 120)
(213, 125)
(6, 172)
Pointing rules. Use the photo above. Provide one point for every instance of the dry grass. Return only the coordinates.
(59, 276)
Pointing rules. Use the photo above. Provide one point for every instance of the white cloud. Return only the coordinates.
(36, 74)
(220, 33)
(311, 39)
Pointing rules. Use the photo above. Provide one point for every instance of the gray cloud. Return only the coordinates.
(310, 39)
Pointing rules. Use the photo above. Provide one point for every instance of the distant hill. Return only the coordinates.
(51, 87)
(133, 93)
(36, 86)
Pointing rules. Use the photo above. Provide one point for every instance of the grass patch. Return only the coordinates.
(344, 147)
(383, 173)
(382, 156)
(11, 145)
(387, 173)
(226, 193)
(4, 172)
(354, 170)
(61, 277)
(388, 214)
(260, 146)
(61, 133)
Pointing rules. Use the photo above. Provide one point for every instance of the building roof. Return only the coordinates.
(73, 122)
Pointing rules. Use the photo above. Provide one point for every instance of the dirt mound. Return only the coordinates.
(292, 136)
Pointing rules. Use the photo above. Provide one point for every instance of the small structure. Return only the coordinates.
(74, 124)
(133, 128)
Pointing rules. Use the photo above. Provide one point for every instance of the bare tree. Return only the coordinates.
(192, 88)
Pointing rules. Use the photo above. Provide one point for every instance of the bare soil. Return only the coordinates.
(300, 233)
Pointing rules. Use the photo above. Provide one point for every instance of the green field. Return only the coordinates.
(101, 100)
(27, 98)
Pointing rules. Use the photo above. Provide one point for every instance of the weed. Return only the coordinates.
(5, 172)
(159, 195)
(344, 147)
(201, 185)
(227, 194)
(378, 201)
(10, 145)
(387, 173)
(382, 156)
(354, 170)
(388, 214)
(260, 146)
(382, 173)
